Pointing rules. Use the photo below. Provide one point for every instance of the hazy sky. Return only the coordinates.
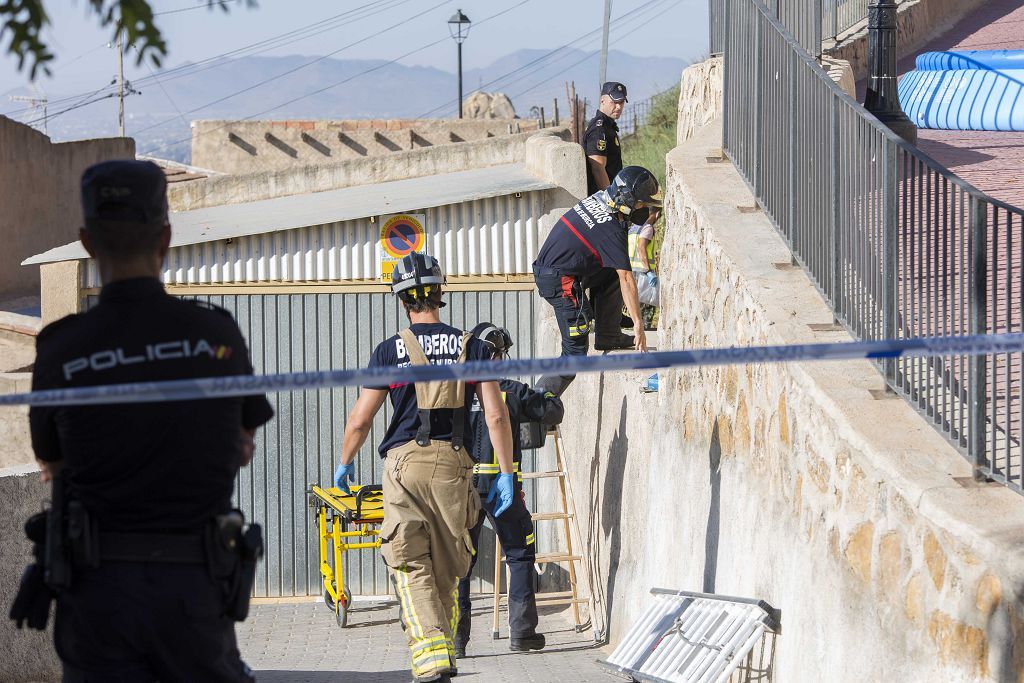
(84, 63)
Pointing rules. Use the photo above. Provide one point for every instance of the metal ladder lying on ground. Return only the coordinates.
(570, 527)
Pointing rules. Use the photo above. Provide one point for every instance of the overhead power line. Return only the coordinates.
(349, 16)
(635, 14)
(265, 81)
(341, 82)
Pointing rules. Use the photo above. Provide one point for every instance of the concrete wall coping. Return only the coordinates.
(28, 325)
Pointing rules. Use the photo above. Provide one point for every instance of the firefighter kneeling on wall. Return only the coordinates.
(514, 528)
(587, 251)
(429, 500)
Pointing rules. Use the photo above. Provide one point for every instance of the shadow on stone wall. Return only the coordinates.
(713, 530)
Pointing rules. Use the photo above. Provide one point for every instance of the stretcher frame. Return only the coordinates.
(342, 522)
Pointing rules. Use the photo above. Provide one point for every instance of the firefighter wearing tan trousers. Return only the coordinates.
(430, 503)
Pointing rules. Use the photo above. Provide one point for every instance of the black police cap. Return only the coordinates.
(124, 191)
(614, 90)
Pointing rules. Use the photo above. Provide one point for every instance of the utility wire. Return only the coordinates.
(649, 8)
(341, 82)
(274, 42)
(301, 66)
(635, 14)
(205, 5)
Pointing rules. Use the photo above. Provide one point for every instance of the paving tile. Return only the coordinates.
(300, 642)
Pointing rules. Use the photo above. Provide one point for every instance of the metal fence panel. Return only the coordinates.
(493, 236)
(898, 245)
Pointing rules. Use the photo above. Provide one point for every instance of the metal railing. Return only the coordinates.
(897, 244)
(809, 21)
(636, 115)
(839, 16)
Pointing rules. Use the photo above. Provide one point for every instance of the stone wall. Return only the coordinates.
(252, 186)
(27, 655)
(700, 97)
(795, 483)
(249, 146)
(39, 196)
(919, 21)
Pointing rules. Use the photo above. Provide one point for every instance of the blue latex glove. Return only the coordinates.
(504, 489)
(341, 474)
(652, 279)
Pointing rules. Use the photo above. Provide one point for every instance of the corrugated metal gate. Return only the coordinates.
(302, 445)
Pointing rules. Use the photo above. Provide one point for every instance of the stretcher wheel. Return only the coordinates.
(341, 616)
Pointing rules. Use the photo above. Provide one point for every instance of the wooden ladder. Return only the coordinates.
(570, 527)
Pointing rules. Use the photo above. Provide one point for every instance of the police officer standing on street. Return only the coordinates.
(587, 251)
(514, 528)
(429, 500)
(601, 138)
(159, 564)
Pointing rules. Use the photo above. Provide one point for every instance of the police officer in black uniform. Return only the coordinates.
(157, 570)
(587, 250)
(601, 139)
(514, 527)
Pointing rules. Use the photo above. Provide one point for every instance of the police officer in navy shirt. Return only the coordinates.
(147, 599)
(587, 252)
(601, 138)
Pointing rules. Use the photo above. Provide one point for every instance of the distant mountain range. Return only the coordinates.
(344, 89)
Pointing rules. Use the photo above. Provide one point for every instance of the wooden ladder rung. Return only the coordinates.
(538, 516)
(561, 601)
(542, 475)
(557, 557)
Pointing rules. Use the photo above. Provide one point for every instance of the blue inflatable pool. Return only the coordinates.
(978, 90)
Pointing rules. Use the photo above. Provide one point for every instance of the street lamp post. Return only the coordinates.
(458, 26)
(882, 98)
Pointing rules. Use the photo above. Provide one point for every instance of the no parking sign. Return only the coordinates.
(400, 235)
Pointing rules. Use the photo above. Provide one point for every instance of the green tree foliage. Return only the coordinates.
(24, 21)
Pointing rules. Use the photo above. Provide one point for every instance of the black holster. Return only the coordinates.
(31, 604)
(232, 551)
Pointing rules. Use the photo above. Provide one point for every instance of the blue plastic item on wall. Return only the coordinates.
(985, 60)
(964, 99)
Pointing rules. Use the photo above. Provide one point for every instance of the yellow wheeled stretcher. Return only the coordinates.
(342, 521)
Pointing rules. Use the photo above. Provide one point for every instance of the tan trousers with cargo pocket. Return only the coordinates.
(429, 506)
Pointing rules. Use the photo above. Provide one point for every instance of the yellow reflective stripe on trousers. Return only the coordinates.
(454, 623)
(491, 468)
(579, 330)
(412, 621)
(431, 660)
(428, 643)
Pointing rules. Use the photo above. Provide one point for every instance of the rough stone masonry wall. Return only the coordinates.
(789, 483)
(39, 196)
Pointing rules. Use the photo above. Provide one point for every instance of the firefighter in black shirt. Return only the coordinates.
(514, 527)
(601, 139)
(153, 588)
(587, 250)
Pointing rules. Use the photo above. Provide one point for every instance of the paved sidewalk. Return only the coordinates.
(992, 161)
(300, 642)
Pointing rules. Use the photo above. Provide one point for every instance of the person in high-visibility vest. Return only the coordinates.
(641, 259)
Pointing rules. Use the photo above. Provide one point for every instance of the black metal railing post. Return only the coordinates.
(978, 324)
(882, 98)
(834, 190)
(890, 221)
